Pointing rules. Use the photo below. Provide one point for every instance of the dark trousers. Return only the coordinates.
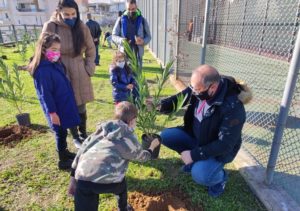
(60, 137)
(87, 194)
(97, 59)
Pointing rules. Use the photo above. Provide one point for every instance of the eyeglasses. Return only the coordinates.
(193, 89)
(196, 91)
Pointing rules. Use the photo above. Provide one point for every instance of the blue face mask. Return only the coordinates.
(70, 22)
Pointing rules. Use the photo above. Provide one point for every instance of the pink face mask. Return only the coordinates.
(52, 56)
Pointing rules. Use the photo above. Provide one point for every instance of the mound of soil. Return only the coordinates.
(11, 135)
(160, 202)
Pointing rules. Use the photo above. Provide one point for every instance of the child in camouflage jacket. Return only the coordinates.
(101, 163)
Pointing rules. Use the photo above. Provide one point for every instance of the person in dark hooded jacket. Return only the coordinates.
(213, 122)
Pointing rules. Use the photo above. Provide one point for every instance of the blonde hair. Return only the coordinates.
(45, 41)
(125, 111)
(116, 56)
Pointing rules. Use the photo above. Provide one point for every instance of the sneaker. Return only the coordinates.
(77, 142)
(217, 190)
(186, 168)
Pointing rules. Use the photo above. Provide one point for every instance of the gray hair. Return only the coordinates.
(211, 78)
(208, 75)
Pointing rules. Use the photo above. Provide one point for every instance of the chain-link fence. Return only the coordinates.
(11, 33)
(252, 40)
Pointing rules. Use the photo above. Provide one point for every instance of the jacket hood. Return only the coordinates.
(245, 95)
(45, 62)
(57, 19)
(239, 87)
(230, 86)
(114, 129)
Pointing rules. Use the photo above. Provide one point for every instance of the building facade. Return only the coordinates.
(105, 12)
(37, 12)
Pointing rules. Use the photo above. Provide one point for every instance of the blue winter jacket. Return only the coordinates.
(120, 79)
(221, 128)
(55, 93)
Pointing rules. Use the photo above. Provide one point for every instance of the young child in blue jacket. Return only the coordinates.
(55, 93)
(122, 79)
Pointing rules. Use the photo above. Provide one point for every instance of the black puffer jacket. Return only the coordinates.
(221, 127)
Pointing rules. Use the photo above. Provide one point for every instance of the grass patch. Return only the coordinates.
(30, 180)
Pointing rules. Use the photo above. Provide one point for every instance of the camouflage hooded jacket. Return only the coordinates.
(104, 155)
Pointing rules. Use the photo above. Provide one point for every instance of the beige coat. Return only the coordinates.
(79, 69)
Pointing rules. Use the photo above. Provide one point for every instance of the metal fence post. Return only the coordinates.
(227, 25)
(284, 109)
(264, 28)
(1, 38)
(35, 32)
(205, 32)
(15, 33)
(177, 38)
(166, 31)
(151, 14)
(157, 22)
(243, 25)
(294, 32)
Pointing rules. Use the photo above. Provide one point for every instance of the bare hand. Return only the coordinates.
(72, 187)
(55, 119)
(150, 105)
(139, 41)
(186, 157)
(154, 144)
(129, 86)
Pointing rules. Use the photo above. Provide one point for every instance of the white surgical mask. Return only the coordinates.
(120, 64)
(132, 125)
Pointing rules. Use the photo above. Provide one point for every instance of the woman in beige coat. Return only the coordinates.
(78, 56)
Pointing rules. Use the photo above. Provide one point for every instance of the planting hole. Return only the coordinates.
(11, 135)
(159, 202)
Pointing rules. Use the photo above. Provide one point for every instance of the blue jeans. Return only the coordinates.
(60, 137)
(97, 59)
(204, 172)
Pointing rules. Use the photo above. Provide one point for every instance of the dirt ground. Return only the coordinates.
(159, 202)
(13, 134)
